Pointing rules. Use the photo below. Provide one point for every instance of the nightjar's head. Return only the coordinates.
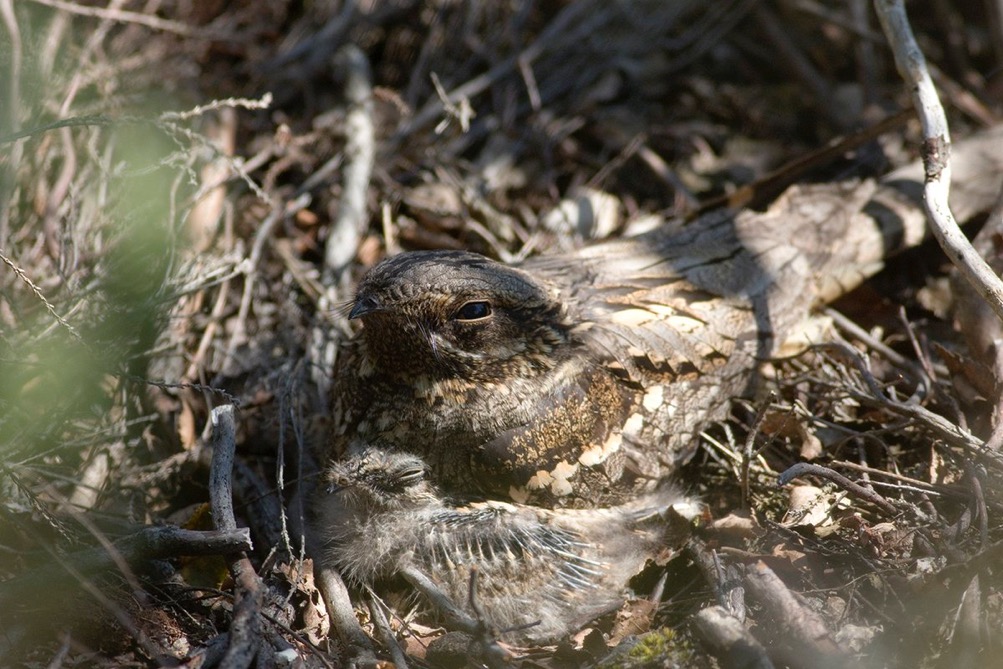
(378, 481)
(455, 314)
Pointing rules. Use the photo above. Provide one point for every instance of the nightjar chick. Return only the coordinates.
(582, 379)
(542, 574)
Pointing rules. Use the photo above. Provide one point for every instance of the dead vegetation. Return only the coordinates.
(190, 190)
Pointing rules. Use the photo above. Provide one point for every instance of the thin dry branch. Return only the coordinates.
(125, 16)
(732, 644)
(360, 152)
(936, 154)
(456, 616)
(245, 627)
(492, 654)
(382, 626)
(802, 629)
(855, 489)
(358, 648)
(13, 108)
(147, 544)
(934, 423)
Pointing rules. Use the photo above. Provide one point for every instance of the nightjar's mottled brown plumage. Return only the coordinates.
(541, 573)
(578, 379)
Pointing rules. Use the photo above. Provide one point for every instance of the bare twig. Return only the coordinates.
(722, 579)
(170, 541)
(223, 444)
(729, 641)
(891, 354)
(359, 152)
(855, 489)
(346, 230)
(245, 626)
(125, 16)
(425, 586)
(460, 111)
(147, 544)
(383, 627)
(492, 654)
(73, 122)
(938, 425)
(974, 318)
(995, 441)
(801, 629)
(975, 476)
(346, 625)
(936, 154)
(909, 483)
(264, 102)
(748, 450)
(278, 214)
(12, 107)
(38, 293)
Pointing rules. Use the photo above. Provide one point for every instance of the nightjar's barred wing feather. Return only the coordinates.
(687, 316)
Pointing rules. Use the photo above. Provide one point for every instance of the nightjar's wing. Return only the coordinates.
(530, 571)
(683, 315)
(509, 544)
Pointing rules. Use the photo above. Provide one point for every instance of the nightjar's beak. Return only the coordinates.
(336, 486)
(364, 304)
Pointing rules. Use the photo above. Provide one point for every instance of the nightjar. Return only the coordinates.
(581, 379)
(542, 574)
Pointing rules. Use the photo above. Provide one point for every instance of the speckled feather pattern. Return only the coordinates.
(595, 371)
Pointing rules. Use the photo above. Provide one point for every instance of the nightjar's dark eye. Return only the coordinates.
(473, 311)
